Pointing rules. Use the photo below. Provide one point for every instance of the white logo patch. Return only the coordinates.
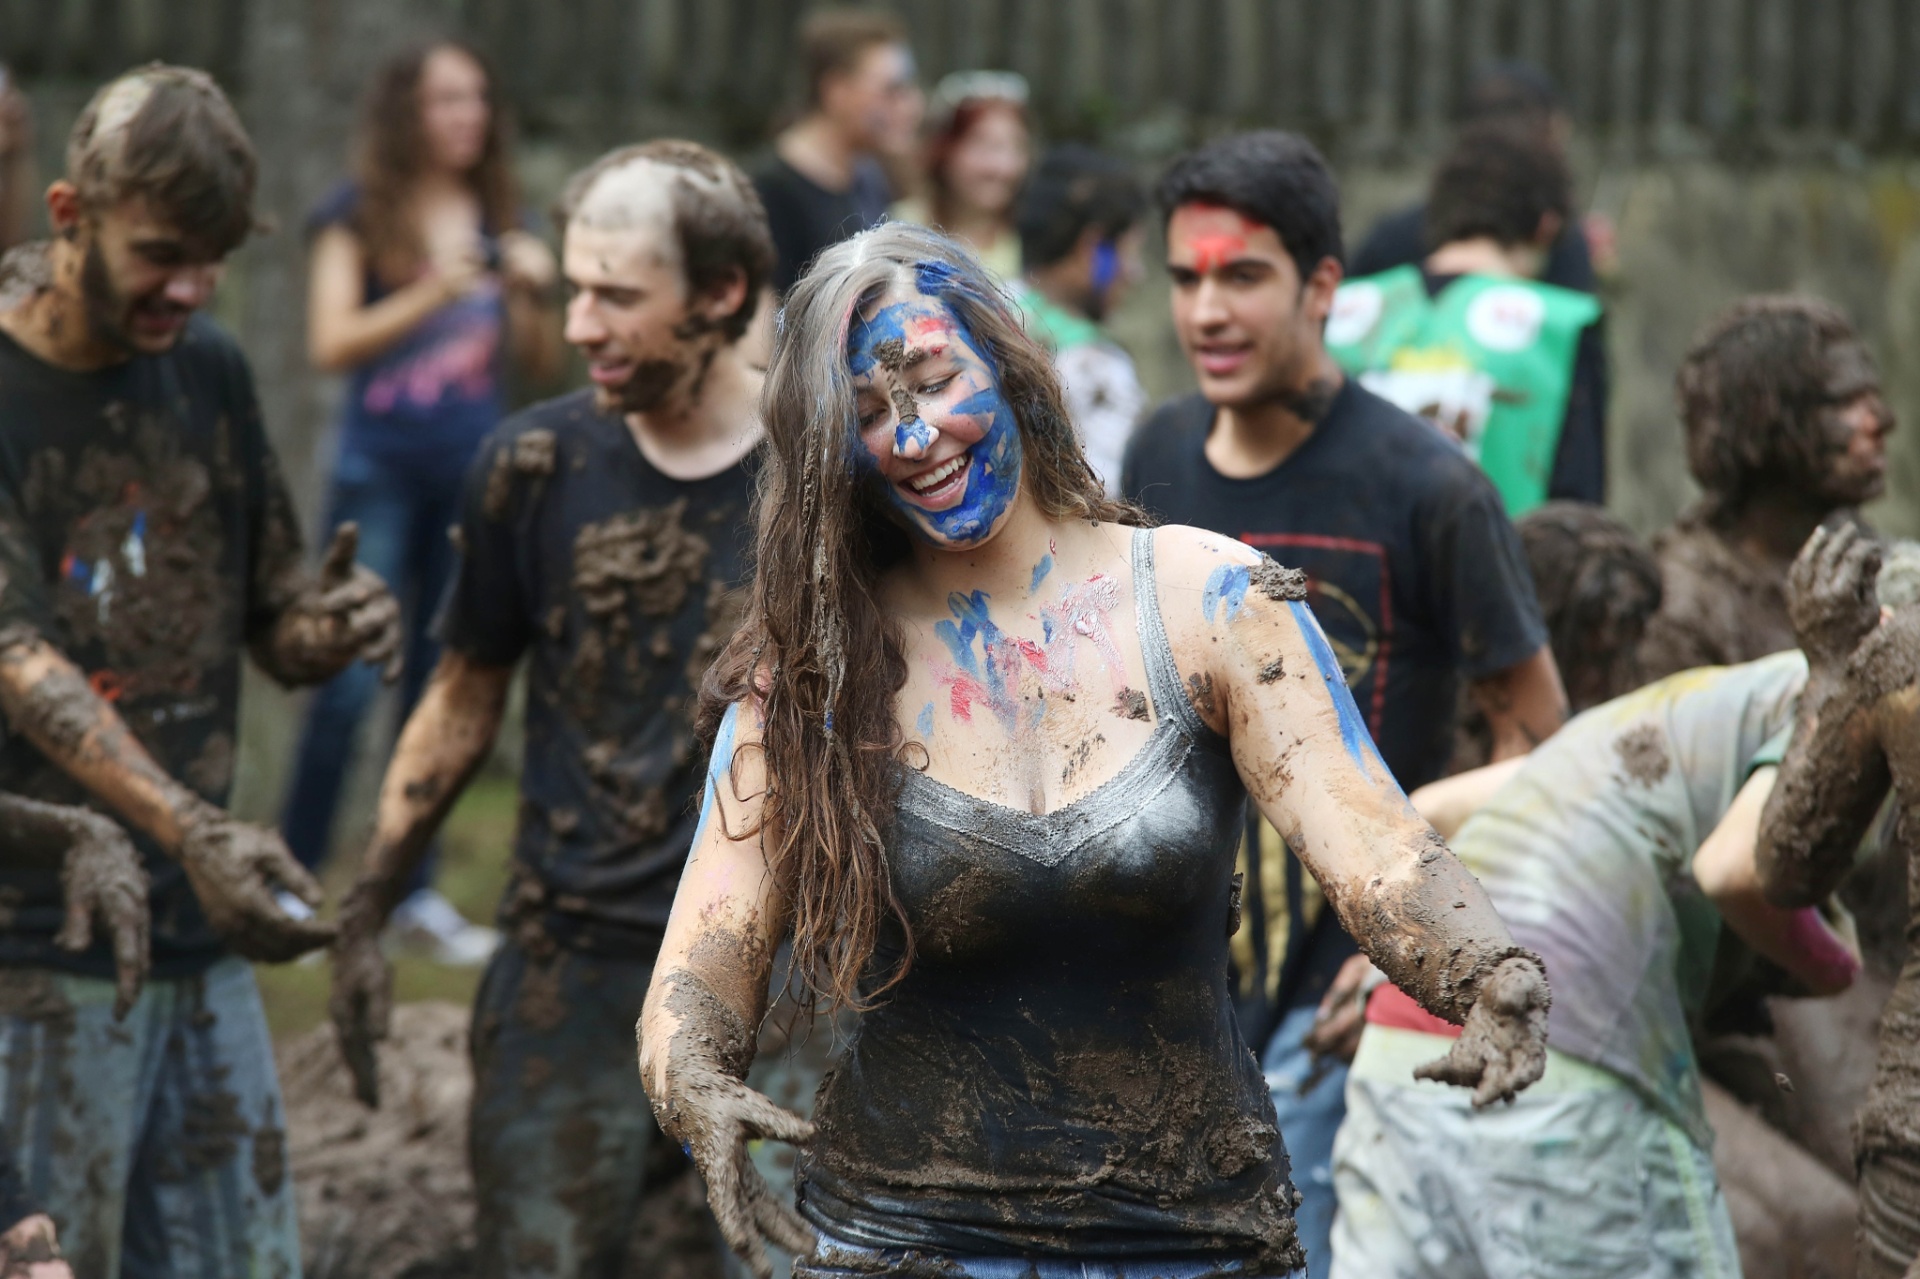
(1506, 318)
(1356, 308)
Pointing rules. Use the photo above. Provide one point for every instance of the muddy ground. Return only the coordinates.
(385, 1194)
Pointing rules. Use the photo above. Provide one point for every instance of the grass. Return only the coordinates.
(476, 845)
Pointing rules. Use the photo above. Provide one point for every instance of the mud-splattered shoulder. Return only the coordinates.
(530, 447)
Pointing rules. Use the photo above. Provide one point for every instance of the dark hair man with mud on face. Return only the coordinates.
(604, 536)
(146, 541)
(1786, 428)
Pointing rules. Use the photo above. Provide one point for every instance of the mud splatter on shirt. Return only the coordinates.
(621, 585)
(146, 533)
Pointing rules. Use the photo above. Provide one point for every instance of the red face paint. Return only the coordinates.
(1218, 235)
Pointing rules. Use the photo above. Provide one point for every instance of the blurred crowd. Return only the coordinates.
(1419, 423)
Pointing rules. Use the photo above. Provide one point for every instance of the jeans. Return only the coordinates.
(838, 1259)
(560, 1121)
(1309, 1121)
(157, 1144)
(404, 511)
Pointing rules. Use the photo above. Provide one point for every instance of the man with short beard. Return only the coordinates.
(604, 535)
(146, 541)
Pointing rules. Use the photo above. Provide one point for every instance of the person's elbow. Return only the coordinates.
(327, 352)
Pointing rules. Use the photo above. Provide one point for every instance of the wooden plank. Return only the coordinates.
(1772, 62)
(1534, 34)
(1479, 27)
(1386, 58)
(1671, 63)
(1722, 64)
(1084, 57)
(1433, 66)
(1239, 49)
(1286, 91)
(1909, 105)
(1875, 44)
(1334, 57)
(1627, 68)
(1820, 73)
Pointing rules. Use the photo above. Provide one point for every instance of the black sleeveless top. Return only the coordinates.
(1060, 1073)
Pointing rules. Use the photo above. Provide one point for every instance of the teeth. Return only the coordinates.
(938, 475)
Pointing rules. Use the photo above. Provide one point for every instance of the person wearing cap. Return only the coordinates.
(977, 156)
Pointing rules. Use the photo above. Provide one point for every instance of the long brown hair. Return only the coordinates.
(821, 657)
(391, 150)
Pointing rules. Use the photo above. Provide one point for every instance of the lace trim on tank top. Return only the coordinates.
(1050, 838)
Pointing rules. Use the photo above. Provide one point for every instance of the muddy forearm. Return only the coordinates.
(1432, 930)
(445, 741)
(47, 698)
(39, 831)
(1831, 781)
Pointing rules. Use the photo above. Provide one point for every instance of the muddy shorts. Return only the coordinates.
(560, 1122)
(1888, 1240)
(1579, 1178)
(837, 1259)
(157, 1143)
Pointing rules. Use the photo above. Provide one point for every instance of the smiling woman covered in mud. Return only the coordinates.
(982, 753)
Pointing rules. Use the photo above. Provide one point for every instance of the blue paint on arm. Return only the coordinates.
(924, 724)
(719, 770)
(1226, 585)
(1353, 730)
(1040, 571)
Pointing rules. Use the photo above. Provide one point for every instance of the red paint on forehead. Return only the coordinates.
(1214, 234)
(922, 325)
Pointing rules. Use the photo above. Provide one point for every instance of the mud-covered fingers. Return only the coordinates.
(286, 871)
(776, 1218)
(337, 564)
(726, 1197)
(132, 954)
(760, 1117)
(1461, 1067)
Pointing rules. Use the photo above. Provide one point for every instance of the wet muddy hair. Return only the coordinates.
(1599, 586)
(1499, 180)
(390, 152)
(822, 658)
(1751, 390)
(1274, 178)
(168, 135)
(719, 225)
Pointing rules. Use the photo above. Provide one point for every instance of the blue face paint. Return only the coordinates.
(910, 433)
(1040, 571)
(719, 770)
(1353, 729)
(1226, 585)
(995, 459)
(934, 277)
(924, 725)
(1106, 267)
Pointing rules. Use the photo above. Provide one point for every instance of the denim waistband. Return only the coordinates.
(837, 1259)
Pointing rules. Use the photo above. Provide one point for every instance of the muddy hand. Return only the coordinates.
(30, 1249)
(347, 614)
(234, 867)
(362, 999)
(103, 880)
(747, 1212)
(1503, 1047)
(1830, 592)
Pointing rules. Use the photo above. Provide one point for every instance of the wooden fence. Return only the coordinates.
(1666, 74)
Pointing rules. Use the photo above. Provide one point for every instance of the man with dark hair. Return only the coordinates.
(1470, 339)
(604, 537)
(146, 540)
(1080, 238)
(1786, 429)
(824, 181)
(1415, 573)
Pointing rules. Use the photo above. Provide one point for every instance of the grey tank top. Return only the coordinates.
(1060, 1073)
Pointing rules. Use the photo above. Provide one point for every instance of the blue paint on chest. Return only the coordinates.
(1040, 571)
(924, 724)
(1353, 730)
(1226, 585)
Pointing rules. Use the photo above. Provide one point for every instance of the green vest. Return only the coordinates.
(1490, 360)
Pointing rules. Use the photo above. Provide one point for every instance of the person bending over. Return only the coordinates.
(983, 750)
(1617, 850)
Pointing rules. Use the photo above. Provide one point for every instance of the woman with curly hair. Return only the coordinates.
(982, 752)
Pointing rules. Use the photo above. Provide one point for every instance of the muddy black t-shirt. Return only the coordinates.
(623, 584)
(1415, 574)
(145, 532)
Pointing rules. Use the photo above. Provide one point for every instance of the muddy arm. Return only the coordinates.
(709, 993)
(100, 875)
(1835, 773)
(1798, 939)
(1309, 763)
(232, 865)
(445, 741)
(1524, 704)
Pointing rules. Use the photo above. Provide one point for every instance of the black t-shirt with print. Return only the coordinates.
(145, 532)
(1415, 574)
(623, 584)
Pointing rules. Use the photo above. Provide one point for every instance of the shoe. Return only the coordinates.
(429, 922)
